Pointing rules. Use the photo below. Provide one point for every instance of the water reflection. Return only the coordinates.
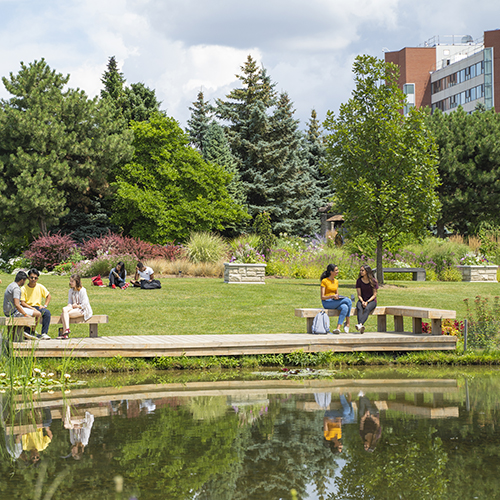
(328, 439)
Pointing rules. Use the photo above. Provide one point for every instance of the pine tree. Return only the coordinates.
(57, 148)
(198, 124)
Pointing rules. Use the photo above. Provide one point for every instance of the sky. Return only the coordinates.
(179, 47)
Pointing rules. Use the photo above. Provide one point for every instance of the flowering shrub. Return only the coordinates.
(245, 254)
(48, 250)
(484, 323)
(448, 327)
(471, 259)
(115, 244)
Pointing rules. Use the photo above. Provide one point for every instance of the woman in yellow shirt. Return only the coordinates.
(332, 300)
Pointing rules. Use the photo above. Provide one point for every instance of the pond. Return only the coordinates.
(370, 435)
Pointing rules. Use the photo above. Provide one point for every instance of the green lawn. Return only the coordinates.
(207, 306)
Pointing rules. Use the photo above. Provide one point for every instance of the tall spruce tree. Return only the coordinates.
(135, 103)
(267, 145)
(57, 148)
(316, 155)
(198, 124)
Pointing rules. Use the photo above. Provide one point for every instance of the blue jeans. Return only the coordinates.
(45, 318)
(343, 305)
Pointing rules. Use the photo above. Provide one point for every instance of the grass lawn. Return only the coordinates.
(208, 306)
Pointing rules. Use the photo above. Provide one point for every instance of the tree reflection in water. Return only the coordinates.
(236, 444)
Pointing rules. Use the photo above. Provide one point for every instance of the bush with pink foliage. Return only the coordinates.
(49, 250)
(115, 244)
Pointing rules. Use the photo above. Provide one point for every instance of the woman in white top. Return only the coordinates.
(78, 304)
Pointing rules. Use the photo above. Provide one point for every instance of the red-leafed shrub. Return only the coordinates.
(115, 244)
(49, 250)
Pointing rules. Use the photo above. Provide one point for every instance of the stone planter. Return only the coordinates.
(479, 273)
(244, 273)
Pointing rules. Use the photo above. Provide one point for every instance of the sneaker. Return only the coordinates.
(361, 394)
(44, 336)
(113, 286)
(346, 329)
(336, 331)
(362, 329)
(30, 336)
(358, 326)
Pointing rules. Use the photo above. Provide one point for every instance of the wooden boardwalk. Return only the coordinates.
(147, 346)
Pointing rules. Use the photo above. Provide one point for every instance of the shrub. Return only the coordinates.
(115, 244)
(206, 247)
(103, 264)
(484, 323)
(450, 274)
(48, 250)
(246, 254)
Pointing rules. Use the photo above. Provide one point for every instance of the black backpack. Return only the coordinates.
(150, 285)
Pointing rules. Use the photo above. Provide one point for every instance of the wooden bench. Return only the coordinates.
(417, 272)
(399, 312)
(21, 322)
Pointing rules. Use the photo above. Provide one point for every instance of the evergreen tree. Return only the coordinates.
(113, 81)
(469, 167)
(269, 150)
(57, 148)
(316, 155)
(139, 103)
(215, 149)
(199, 122)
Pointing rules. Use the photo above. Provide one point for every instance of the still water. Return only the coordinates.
(387, 436)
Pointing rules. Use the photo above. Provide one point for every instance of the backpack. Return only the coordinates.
(321, 323)
(97, 280)
(150, 285)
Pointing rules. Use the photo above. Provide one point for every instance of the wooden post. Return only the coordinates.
(382, 323)
(93, 330)
(399, 325)
(436, 326)
(417, 325)
(309, 325)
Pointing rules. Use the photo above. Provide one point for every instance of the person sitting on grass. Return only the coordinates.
(332, 300)
(366, 286)
(78, 305)
(36, 297)
(117, 276)
(142, 272)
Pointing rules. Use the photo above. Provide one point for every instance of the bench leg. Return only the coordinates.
(309, 325)
(399, 325)
(436, 326)
(382, 323)
(93, 331)
(417, 325)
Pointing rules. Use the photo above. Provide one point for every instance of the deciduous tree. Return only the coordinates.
(383, 165)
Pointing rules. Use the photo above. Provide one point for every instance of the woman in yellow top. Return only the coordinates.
(332, 300)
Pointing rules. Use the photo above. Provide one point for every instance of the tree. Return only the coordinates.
(57, 148)
(168, 190)
(270, 153)
(316, 154)
(469, 167)
(383, 165)
(199, 122)
(134, 103)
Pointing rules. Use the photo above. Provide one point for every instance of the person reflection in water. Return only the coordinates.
(79, 431)
(370, 429)
(334, 418)
(32, 443)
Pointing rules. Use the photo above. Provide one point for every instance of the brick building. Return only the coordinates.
(446, 72)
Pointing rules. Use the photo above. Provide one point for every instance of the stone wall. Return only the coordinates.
(244, 273)
(478, 273)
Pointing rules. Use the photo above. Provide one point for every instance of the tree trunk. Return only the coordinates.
(43, 225)
(380, 269)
